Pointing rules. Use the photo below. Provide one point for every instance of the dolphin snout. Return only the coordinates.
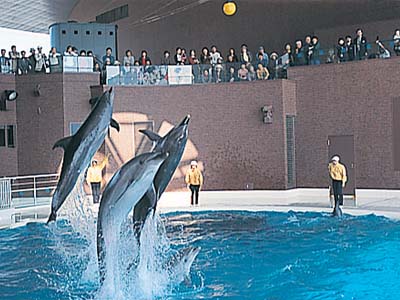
(186, 120)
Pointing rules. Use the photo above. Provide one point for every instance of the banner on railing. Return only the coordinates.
(112, 75)
(180, 75)
(77, 64)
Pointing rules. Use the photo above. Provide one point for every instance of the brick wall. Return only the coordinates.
(236, 150)
(8, 156)
(347, 99)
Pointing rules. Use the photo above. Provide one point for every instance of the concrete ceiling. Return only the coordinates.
(34, 15)
(37, 15)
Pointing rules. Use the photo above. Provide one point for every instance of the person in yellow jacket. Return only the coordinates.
(194, 181)
(338, 174)
(94, 176)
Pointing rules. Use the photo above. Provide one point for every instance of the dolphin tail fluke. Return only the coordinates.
(52, 217)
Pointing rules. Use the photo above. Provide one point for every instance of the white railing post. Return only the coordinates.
(34, 191)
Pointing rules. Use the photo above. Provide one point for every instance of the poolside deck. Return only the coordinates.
(379, 202)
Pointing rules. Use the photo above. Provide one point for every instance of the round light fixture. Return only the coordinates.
(229, 8)
(11, 95)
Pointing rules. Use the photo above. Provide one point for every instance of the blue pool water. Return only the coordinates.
(243, 256)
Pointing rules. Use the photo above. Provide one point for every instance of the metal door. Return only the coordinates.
(343, 146)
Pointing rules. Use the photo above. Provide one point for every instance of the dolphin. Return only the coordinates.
(123, 191)
(80, 148)
(174, 143)
(337, 211)
(180, 263)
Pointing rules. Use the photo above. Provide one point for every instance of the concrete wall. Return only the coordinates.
(8, 156)
(347, 99)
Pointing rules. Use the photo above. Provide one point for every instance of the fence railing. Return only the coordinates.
(23, 191)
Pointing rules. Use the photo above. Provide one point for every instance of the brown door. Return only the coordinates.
(343, 146)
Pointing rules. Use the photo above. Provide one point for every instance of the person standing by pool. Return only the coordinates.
(194, 181)
(337, 172)
(94, 177)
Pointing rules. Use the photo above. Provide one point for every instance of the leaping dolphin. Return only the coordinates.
(123, 191)
(80, 148)
(180, 263)
(174, 143)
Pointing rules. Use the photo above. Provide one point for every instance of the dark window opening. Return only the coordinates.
(11, 136)
(87, 32)
(113, 15)
(2, 136)
(75, 31)
(99, 32)
(111, 33)
(63, 32)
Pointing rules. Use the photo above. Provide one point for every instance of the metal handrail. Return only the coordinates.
(31, 184)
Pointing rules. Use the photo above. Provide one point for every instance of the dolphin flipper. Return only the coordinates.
(114, 124)
(151, 135)
(63, 143)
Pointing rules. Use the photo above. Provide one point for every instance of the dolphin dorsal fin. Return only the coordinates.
(150, 134)
(63, 143)
(114, 124)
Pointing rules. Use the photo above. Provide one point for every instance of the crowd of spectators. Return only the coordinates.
(209, 65)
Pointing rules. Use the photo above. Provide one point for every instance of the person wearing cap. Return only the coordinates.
(194, 181)
(94, 177)
(337, 172)
(40, 59)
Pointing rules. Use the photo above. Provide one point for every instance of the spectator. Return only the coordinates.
(14, 56)
(205, 58)
(265, 59)
(350, 50)
(314, 57)
(205, 76)
(308, 46)
(40, 59)
(109, 56)
(54, 60)
(215, 55)
(231, 57)
(231, 76)
(251, 75)
(4, 62)
(129, 59)
(143, 58)
(166, 59)
(360, 43)
(262, 72)
(96, 67)
(261, 60)
(184, 56)
(90, 53)
(382, 51)
(69, 51)
(272, 65)
(178, 56)
(299, 57)
(75, 51)
(341, 50)
(193, 60)
(32, 60)
(288, 51)
(82, 53)
(23, 64)
(396, 42)
(245, 55)
(243, 72)
(219, 68)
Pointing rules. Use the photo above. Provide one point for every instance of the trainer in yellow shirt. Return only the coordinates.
(338, 174)
(94, 177)
(194, 181)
